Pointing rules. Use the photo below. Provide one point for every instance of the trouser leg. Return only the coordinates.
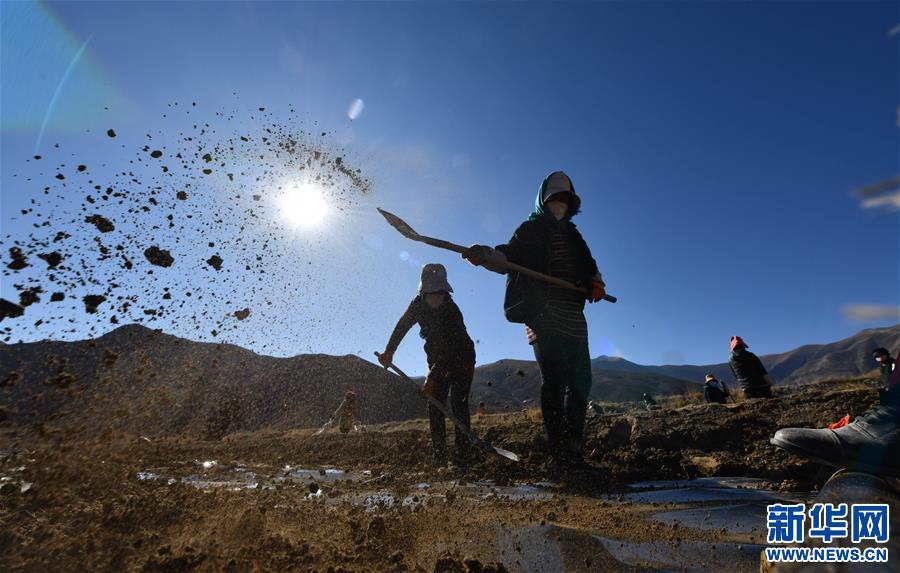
(460, 384)
(577, 391)
(436, 417)
(553, 390)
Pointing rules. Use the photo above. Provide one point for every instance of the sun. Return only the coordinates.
(303, 205)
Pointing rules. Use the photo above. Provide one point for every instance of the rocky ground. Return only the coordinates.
(370, 500)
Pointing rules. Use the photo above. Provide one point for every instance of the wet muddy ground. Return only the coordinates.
(679, 490)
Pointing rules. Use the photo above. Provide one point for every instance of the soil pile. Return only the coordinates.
(139, 380)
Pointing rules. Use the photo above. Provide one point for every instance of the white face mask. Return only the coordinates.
(558, 209)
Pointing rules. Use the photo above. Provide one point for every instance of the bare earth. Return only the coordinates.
(369, 500)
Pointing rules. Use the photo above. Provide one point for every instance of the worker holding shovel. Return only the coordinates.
(451, 358)
(549, 243)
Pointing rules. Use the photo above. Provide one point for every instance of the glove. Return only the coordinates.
(475, 254)
(598, 291)
(386, 358)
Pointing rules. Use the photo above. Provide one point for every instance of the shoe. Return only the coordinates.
(870, 443)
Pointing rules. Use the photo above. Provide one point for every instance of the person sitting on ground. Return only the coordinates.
(450, 354)
(886, 363)
(649, 402)
(713, 391)
(749, 371)
(870, 443)
(346, 413)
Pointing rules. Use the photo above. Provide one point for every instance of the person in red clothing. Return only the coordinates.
(749, 371)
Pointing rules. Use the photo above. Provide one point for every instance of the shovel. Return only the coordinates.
(408, 232)
(478, 442)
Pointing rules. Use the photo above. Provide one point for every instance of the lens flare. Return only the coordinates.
(356, 108)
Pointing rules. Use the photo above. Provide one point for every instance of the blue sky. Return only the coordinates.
(716, 147)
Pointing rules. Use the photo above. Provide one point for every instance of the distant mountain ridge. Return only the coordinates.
(511, 384)
(845, 358)
(142, 380)
(138, 380)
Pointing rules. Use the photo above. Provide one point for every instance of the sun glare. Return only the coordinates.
(303, 205)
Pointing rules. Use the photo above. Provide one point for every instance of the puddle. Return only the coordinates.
(722, 482)
(239, 477)
(384, 500)
(540, 548)
(703, 490)
(326, 475)
(245, 481)
(737, 518)
(684, 555)
(486, 489)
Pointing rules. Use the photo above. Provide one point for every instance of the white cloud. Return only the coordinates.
(890, 202)
(883, 195)
(871, 312)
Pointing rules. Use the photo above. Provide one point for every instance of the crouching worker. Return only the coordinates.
(886, 364)
(749, 371)
(346, 413)
(549, 243)
(714, 391)
(450, 354)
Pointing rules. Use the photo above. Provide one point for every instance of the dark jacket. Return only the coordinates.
(530, 247)
(748, 370)
(887, 371)
(714, 395)
(446, 338)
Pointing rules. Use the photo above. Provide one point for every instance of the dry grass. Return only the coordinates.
(679, 400)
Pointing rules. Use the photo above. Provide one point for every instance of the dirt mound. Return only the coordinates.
(140, 380)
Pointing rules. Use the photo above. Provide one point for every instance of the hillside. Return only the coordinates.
(845, 358)
(141, 380)
(513, 384)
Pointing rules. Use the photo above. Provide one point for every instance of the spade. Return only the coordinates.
(408, 232)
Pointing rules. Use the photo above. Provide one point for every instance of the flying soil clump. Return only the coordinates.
(233, 175)
(103, 224)
(159, 257)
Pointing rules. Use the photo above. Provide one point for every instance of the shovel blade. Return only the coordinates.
(399, 224)
(505, 453)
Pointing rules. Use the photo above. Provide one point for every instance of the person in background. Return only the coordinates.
(749, 371)
(450, 354)
(346, 412)
(714, 391)
(886, 364)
